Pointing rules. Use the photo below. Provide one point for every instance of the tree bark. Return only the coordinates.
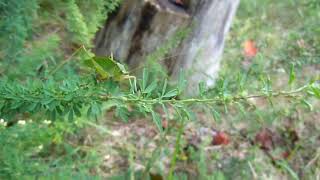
(139, 27)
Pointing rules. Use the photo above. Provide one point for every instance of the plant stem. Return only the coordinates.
(211, 100)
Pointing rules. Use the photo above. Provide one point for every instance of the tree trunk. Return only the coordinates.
(139, 27)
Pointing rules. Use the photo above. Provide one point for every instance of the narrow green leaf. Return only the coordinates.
(144, 79)
(157, 120)
(122, 113)
(77, 111)
(285, 165)
(70, 116)
(202, 88)
(171, 93)
(216, 115)
(165, 109)
(150, 88)
(60, 110)
(164, 88)
(315, 91)
(95, 109)
(305, 102)
(53, 115)
(292, 75)
(182, 82)
(89, 112)
(132, 87)
(30, 108)
(188, 113)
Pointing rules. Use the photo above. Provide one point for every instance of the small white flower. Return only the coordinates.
(106, 157)
(3, 123)
(47, 122)
(281, 70)
(21, 122)
(40, 147)
(116, 133)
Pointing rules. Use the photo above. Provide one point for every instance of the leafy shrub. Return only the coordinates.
(48, 73)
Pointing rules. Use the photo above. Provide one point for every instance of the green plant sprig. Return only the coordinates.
(71, 96)
(289, 94)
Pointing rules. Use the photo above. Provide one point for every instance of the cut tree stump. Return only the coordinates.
(139, 27)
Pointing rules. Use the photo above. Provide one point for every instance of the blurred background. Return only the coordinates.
(270, 45)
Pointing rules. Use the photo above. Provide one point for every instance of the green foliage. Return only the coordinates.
(83, 28)
(76, 24)
(22, 142)
(35, 34)
(51, 78)
(95, 11)
(37, 57)
(15, 26)
(33, 47)
(35, 150)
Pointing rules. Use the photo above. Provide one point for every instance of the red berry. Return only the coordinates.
(221, 138)
(250, 49)
(286, 154)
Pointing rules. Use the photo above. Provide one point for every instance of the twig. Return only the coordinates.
(211, 100)
(255, 176)
(313, 160)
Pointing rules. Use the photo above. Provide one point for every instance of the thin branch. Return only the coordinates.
(210, 100)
